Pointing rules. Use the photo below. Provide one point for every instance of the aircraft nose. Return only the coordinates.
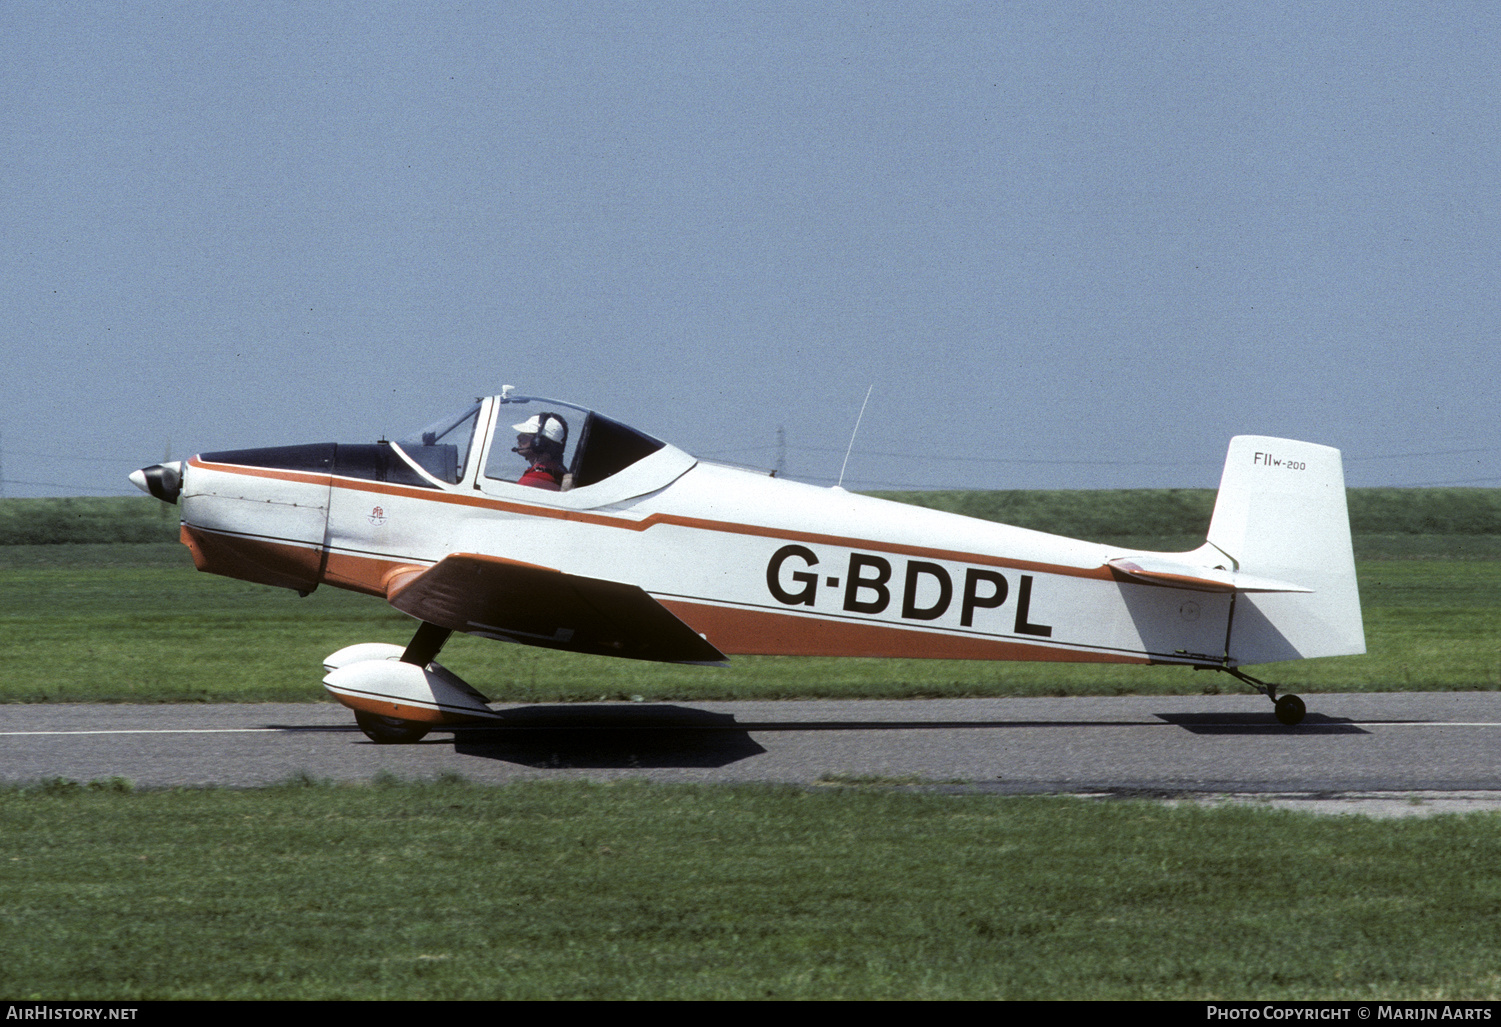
(164, 481)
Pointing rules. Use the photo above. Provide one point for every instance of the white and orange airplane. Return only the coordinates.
(593, 537)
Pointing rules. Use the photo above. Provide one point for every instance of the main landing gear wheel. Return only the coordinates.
(1290, 710)
(389, 730)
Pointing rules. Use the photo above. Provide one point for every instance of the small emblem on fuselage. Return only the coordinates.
(377, 516)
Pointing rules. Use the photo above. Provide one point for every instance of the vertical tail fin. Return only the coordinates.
(1281, 514)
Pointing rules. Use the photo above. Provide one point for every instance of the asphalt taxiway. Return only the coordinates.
(1409, 750)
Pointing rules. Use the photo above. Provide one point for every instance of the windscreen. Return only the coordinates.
(442, 448)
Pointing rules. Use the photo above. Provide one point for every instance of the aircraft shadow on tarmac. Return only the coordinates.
(1260, 724)
(653, 736)
(610, 736)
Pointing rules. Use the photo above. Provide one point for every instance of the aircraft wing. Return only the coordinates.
(521, 602)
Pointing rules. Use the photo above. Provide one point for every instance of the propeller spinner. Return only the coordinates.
(164, 481)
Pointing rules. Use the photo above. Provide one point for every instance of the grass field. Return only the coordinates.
(445, 890)
(136, 623)
(1443, 523)
(566, 890)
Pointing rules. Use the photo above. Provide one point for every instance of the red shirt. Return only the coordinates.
(543, 475)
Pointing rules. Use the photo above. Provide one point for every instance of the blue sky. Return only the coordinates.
(1069, 245)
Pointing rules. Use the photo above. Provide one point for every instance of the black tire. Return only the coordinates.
(1290, 710)
(389, 730)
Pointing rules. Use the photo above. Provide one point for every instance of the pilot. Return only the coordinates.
(539, 441)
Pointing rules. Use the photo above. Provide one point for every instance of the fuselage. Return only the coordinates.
(753, 563)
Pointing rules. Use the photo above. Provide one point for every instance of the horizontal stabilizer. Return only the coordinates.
(1156, 570)
(519, 602)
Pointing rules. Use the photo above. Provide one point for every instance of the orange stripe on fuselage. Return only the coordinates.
(263, 561)
(741, 632)
(734, 631)
(305, 477)
(371, 575)
(1101, 573)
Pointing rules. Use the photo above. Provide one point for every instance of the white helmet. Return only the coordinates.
(549, 426)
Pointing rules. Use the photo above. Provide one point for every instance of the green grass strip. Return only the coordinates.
(138, 624)
(547, 890)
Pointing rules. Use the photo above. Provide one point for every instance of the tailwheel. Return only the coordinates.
(390, 730)
(1290, 710)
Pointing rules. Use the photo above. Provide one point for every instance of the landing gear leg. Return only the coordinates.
(426, 644)
(1290, 709)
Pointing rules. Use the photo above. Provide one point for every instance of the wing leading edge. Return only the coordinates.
(520, 602)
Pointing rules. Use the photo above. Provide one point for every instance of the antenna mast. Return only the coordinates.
(852, 437)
